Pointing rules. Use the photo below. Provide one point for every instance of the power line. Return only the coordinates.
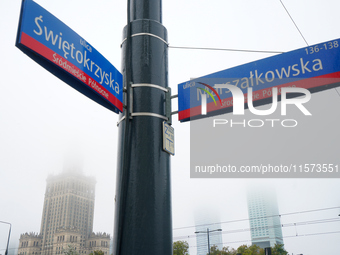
(240, 220)
(337, 91)
(245, 241)
(294, 23)
(293, 224)
(301, 223)
(239, 50)
(222, 49)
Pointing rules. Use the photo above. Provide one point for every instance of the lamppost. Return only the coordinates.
(9, 235)
(208, 231)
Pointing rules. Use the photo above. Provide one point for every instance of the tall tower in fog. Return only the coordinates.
(264, 219)
(67, 218)
(68, 205)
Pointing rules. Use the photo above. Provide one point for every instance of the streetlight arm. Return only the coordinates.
(197, 232)
(9, 235)
(216, 230)
(207, 232)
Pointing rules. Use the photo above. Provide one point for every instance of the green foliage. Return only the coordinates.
(225, 251)
(250, 250)
(98, 252)
(279, 249)
(70, 250)
(214, 250)
(243, 250)
(180, 248)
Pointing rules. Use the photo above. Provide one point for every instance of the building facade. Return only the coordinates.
(67, 219)
(30, 243)
(264, 217)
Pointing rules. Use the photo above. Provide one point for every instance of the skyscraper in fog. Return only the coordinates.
(264, 218)
(67, 218)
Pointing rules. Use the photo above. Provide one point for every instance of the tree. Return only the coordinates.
(97, 252)
(256, 250)
(180, 248)
(70, 250)
(214, 250)
(279, 249)
(225, 251)
(228, 252)
(242, 249)
(250, 250)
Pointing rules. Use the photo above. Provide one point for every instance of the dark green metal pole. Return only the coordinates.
(143, 220)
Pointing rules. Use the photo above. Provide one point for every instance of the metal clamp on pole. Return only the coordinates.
(135, 114)
(148, 34)
(168, 106)
(125, 106)
(149, 85)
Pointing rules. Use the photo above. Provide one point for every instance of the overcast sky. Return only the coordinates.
(44, 122)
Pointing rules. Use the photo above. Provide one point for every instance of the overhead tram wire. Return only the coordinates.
(301, 223)
(301, 34)
(280, 215)
(255, 51)
(237, 231)
(294, 22)
(285, 225)
(222, 49)
(292, 224)
(337, 91)
(302, 235)
(249, 51)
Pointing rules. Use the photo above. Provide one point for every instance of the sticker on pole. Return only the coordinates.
(60, 50)
(168, 138)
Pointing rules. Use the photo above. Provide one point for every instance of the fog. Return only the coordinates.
(46, 126)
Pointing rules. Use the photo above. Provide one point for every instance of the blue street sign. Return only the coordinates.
(314, 68)
(70, 57)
